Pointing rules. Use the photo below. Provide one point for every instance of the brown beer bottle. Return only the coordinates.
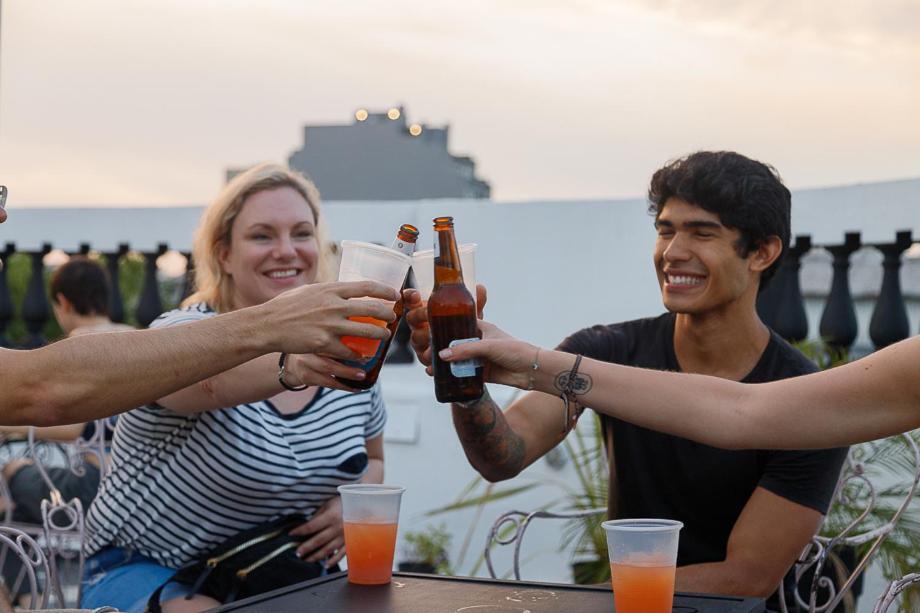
(404, 243)
(452, 318)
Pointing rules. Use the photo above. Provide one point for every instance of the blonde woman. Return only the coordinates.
(236, 450)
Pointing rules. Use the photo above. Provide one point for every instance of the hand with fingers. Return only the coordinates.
(505, 359)
(325, 534)
(311, 369)
(314, 318)
(417, 318)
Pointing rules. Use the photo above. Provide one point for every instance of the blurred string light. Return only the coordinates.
(361, 114)
(415, 129)
(393, 114)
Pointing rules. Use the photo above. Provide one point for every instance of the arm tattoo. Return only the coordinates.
(580, 386)
(491, 446)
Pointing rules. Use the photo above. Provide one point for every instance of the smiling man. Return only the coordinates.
(723, 223)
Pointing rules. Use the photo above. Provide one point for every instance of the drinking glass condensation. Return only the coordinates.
(643, 561)
(370, 514)
(423, 269)
(366, 261)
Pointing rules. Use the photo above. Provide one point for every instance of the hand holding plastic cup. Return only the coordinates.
(366, 261)
(423, 269)
(371, 515)
(643, 561)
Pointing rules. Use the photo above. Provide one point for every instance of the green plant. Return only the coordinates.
(589, 459)
(429, 547)
(889, 465)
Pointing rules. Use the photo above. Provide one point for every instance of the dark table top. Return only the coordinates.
(410, 592)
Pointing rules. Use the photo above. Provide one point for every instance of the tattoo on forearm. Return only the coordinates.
(487, 438)
(581, 385)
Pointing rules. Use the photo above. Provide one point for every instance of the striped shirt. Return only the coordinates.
(181, 484)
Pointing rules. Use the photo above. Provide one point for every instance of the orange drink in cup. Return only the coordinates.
(364, 347)
(638, 587)
(643, 561)
(370, 548)
(363, 262)
(371, 516)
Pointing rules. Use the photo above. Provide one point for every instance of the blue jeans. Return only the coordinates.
(125, 579)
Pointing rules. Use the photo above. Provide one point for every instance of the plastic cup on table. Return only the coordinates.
(643, 561)
(370, 514)
(366, 261)
(423, 269)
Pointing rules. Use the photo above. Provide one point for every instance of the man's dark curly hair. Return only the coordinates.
(746, 195)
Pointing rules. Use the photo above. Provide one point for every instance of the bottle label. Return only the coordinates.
(404, 247)
(464, 368)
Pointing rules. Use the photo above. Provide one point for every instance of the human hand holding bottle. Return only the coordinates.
(505, 359)
(417, 318)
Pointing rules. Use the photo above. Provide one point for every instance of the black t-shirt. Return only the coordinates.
(706, 488)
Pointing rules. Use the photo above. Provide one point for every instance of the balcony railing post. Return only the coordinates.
(889, 318)
(188, 279)
(150, 306)
(35, 308)
(6, 303)
(839, 326)
(116, 300)
(791, 321)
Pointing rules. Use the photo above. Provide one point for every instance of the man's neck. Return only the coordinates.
(88, 323)
(724, 344)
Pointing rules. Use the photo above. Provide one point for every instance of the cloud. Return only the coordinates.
(892, 25)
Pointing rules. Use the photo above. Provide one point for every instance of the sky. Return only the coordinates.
(131, 102)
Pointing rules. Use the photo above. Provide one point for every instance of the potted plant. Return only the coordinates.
(425, 551)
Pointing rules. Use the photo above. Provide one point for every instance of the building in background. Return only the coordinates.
(381, 156)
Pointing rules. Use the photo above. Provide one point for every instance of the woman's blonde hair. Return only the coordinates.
(212, 285)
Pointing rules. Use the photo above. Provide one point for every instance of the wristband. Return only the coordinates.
(292, 388)
(572, 409)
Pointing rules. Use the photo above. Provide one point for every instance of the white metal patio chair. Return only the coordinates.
(60, 535)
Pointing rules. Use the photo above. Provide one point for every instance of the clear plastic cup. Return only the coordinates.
(423, 269)
(371, 515)
(366, 261)
(643, 561)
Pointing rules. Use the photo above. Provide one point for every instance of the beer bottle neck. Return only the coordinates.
(405, 239)
(403, 245)
(447, 268)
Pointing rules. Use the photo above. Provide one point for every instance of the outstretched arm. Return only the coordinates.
(86, 377)
(870, 398)
(258, 380)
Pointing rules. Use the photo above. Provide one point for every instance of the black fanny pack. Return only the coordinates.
(253, 562)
